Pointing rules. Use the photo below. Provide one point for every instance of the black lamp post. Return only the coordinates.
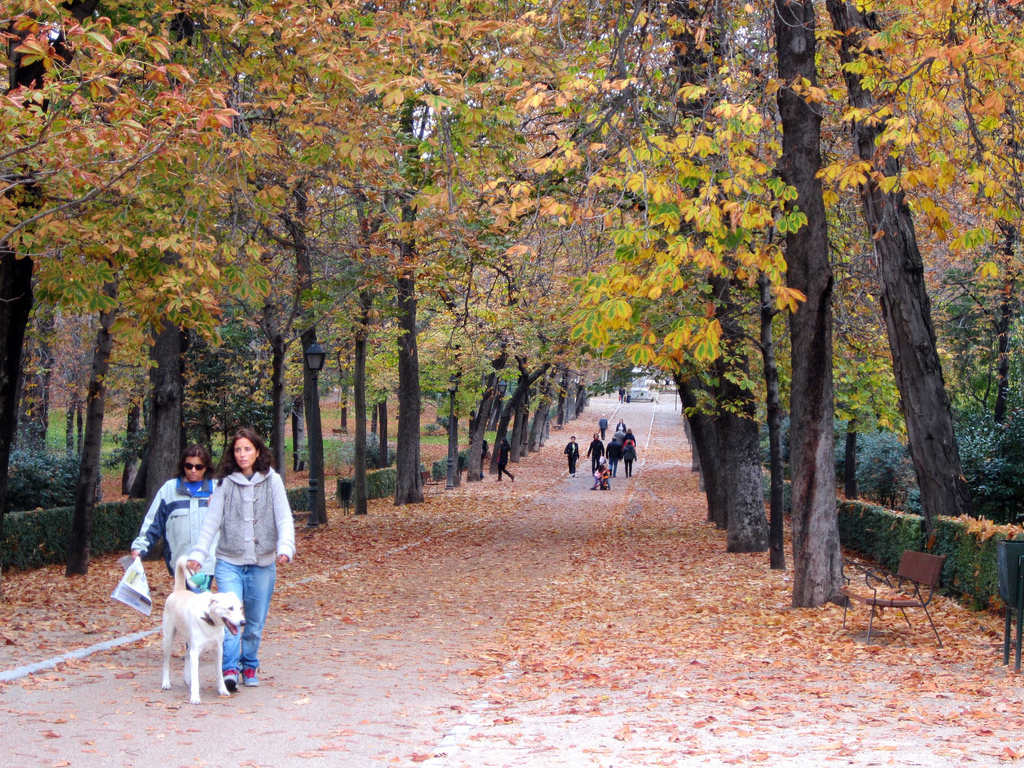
(315, 356)
(453, 432)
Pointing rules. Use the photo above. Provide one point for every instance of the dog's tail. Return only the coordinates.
(181, 574)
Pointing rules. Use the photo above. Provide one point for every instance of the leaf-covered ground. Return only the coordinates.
(531, 623)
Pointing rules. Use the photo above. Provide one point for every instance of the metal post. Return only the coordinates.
(316, 461)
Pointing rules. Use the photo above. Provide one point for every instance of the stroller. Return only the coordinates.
(601, 478)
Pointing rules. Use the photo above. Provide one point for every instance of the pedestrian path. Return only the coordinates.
(538, 623)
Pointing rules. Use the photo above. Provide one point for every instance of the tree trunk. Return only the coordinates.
(817, 560)
(15, 307)
(776, 532)
(166, 415)
(1004, 323)
(904, 296)
(850, 460)
(382, 440)
(703, 431)
(540, 417)
(736, 429)
(478, 428)
(89, 467)
(409, 485)
(298, 434)
(130, 464)
(278, 364)
(359, 506)
(35, 392)
(314, 428)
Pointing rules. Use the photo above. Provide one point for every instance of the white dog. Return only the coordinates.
(201, 620)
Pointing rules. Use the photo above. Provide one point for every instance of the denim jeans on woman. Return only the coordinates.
(254, 585)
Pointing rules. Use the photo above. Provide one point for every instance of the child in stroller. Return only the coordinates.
(601, 476)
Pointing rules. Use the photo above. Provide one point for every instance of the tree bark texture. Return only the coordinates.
(817, 560)
(773, 405)
(906, 306)
(279, 418)
(132, 425)
(15, 308)
(382, 438)
(703, 431)
(479, 427)
(166, 408)
(89, 469)
(850, 461)
(409, 485)
(359, 506)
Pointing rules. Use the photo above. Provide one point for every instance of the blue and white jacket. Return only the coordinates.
(176, 516)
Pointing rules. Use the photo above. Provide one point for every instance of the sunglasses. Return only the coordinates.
(194, 466)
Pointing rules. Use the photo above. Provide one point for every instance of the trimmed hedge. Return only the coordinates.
(298, 499)
(439, 469)
(380, 483)
(40, 537)
(970, 572)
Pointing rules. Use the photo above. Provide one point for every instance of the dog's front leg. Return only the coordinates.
(168, 647)
(218, 669)
(193, 660)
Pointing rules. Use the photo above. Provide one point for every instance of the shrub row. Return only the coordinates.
(40, 537)
(380, 483)
(970, 572)
(439, 469)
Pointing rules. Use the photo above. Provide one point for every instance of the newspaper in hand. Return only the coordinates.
(133, 589)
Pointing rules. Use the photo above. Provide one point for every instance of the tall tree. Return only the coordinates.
(817, 560)
(905, 303)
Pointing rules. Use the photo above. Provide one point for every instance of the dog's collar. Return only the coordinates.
(206, 617)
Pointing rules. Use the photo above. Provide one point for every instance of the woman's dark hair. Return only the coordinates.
(200, 453)
(264, 458)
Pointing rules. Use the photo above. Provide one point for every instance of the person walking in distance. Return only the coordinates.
(629, 454)
(572, 452)
(503, 453)
(595, 452)
(602, 424)
(613, 452)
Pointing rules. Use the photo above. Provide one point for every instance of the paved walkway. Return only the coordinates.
(534, 623)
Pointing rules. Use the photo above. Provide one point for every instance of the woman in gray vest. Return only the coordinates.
(249, 508)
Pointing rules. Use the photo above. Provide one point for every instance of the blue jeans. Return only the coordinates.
(613, 464)
(254, 585)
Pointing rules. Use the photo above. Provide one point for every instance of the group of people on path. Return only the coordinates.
(604, 459)
(243, 519)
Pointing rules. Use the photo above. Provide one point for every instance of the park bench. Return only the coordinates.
(428, 479)
(912, 586)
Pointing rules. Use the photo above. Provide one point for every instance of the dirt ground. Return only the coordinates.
(526, 623)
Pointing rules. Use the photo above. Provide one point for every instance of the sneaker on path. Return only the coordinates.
(249, 678)
(231, 679)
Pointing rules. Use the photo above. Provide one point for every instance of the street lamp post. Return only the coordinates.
(314, 357)
(453, 432)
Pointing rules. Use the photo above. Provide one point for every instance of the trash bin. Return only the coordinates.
(345, 493)
(1008, 566)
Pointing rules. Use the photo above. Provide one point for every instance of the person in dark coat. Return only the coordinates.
(572, 452)
(595, 452)
(629, 454)
(614, 453)
(503, 453)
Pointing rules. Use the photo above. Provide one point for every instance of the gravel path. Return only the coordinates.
(534, 623)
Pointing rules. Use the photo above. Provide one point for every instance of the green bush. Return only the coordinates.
(439, 469)
(379, 484)
(345, 453)
(992, 456)
(40, 537)
(39, 480)
(884, 471)
(298, 499)
(970, 572)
